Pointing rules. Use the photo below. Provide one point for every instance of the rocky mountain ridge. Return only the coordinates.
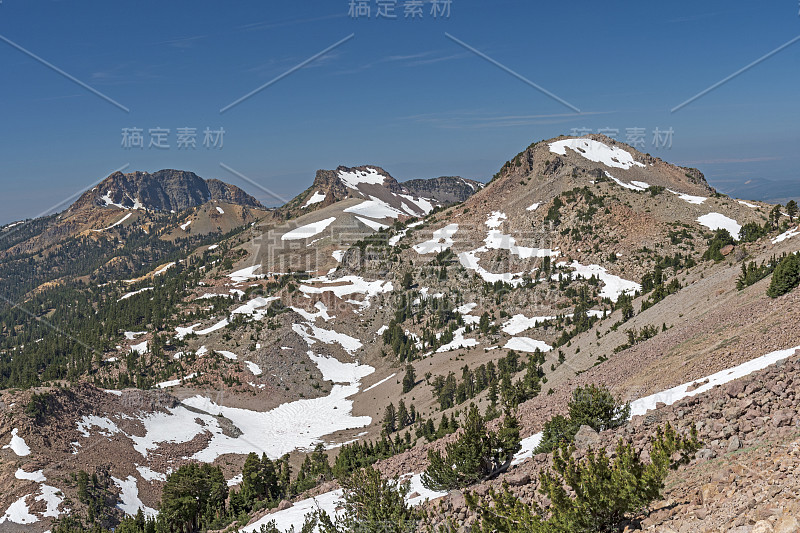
(164, 190)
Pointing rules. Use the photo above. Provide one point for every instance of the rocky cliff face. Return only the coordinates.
(165, 190)
(446, 189)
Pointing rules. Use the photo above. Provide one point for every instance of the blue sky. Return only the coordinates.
(399, 93)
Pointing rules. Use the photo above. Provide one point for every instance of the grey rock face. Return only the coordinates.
(165, 190)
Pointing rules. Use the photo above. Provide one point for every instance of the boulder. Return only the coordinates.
(586, 437)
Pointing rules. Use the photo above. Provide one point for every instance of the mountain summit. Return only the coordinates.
(164, 190)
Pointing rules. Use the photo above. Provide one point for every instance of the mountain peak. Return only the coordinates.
(163, 190)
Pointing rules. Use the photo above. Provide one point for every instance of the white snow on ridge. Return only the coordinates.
(53, 498)
(442, 240)
(422, 204)
(308, 230)
(140, 348)
(149, 474)
(495, 220)
(315, 198)
(163, 268)
(534, 207)
(670, 396)
(295, 425)
(322, 312)
(17, 444)
(596, 151)
(335, 371)
(185, 225)
(469, 261)
(220, 211)
(526, 344)
(748, 204)
(715, 221)
(294, 516)
(393, 241)
(347, 285)
(495, 240)
(331, 503)
(353, 179)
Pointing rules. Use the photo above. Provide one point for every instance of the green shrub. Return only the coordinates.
(593, 494)
(591, 406)
(786, 276)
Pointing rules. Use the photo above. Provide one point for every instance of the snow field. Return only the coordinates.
(596, 151)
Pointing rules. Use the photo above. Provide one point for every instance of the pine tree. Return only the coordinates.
(410, 379)
(791, 210)
(390, 419)
(478, 454)
(786, 276)
(402, 415)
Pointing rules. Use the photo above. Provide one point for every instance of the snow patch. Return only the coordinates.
(315, 198)
(376, 226)
(353, 179)
(788, 235)
(442, 240)
(129, 496)
(17, 444)
(308, 230)
(613, 286)
(596, 151)
(715, 221)
(697, 200)
(526, 344)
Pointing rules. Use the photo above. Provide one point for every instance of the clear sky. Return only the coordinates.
(399, 93)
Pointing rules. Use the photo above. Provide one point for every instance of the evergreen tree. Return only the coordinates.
(791, 210)
(478, 454)
(390, 419)
(786, 276)
(410, 379)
